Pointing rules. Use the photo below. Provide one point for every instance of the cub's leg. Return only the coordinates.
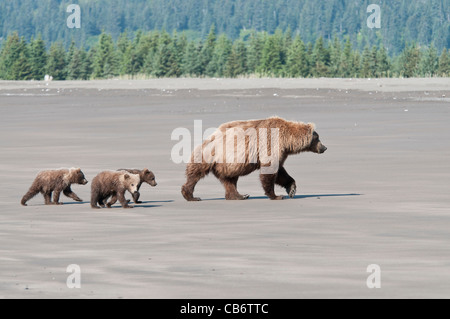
(48, 197)
(123, 201)
(69, 193)
(112, 201)
(94, 199)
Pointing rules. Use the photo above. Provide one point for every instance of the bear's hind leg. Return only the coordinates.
(94, 199)
(112, 201)
(268, 184)
(231, 192)
(56, 197)
(194, 173)
(31, 193)
(48, 197)
(101, 202)
(286, 181)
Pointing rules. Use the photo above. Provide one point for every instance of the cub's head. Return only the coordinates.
(131, 182)
(148, 177)
(77, 176)
(316, 145)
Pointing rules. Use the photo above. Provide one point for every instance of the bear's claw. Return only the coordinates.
(292, 190)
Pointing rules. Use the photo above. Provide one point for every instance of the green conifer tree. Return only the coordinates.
(56, 65)
(444, 64)
(165, 62)
(106, 62)
(347, 60)
(221, 54)
(271, 60)
(256, 44)
(208, 51)
(38, 58)
(409, 61)
(15, 60)
(383, 64)
(237, 62)
(430, 62)
(321, 59)
(297, 61)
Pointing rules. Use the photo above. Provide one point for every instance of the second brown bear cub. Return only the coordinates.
(113, 184)
(146, 176)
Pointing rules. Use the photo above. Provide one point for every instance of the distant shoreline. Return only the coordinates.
(380, 85)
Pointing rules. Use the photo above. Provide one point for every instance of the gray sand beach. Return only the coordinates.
(379, 195)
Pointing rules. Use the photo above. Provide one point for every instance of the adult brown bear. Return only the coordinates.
(239, 148)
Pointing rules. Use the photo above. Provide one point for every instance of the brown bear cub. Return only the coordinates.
(239, 148)
(113, 184)
(55, 181)
(146, 176)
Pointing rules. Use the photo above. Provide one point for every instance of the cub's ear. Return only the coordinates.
(146, 171)
(78, 170)
(126, 176)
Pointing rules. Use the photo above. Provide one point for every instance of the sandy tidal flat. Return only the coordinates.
(379, 195)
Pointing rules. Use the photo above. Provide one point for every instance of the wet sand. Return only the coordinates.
(379, 195)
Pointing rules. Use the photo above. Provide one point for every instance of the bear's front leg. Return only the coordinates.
(69, 193)
(231, 192)
(123, 201)
(268, 184)
(136, 198)
(286, 181)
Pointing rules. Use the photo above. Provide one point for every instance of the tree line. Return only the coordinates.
(160, 54)
(402, 21)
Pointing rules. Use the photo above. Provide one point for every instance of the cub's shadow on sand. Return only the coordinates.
(295, 197)
(148, 204)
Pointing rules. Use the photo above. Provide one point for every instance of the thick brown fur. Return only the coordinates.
(113, 184)
(294, 138)
(146, 176)
(55, 182)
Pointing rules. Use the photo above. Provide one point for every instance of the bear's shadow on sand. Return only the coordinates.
(295, 197)
(148, 204)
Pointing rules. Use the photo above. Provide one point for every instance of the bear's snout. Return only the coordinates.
(84, 182)
(323, 149)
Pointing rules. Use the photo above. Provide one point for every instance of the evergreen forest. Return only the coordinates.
(223, 38)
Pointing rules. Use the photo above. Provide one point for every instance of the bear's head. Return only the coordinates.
(148, 177)
(316, 145)
(130, 182)
(77, 176)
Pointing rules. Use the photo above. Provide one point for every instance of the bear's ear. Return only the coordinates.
(311, 128)
(126, 176)
(78, 170)
(146, 171)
